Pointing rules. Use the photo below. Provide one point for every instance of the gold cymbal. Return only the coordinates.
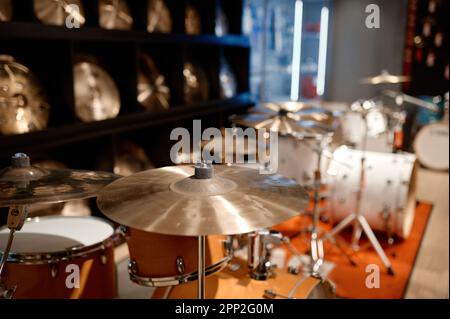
(158, 17)
(153, 93)
(56, 11)
(22, 184)
(196, 87)
(385, 78)
(96, 95)
(114, 14)
(192, 20)
(174, 200)
(289, 118)
(23, 105)
(130, 158)
(5, 10)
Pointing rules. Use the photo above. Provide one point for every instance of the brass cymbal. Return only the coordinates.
(192, 20)
(56, 11)
(158, 17)
(153, 93)
(130, 158)
(22, 184)
(289, 118)
(23, 105)
(196, 87)
(5, 10)
(385, 78)
(114, 14)
(172, 200)
(96, 95)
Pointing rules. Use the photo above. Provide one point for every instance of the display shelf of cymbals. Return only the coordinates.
(119, 69)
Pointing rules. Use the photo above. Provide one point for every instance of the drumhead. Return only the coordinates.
(432, 146)
(56, 233)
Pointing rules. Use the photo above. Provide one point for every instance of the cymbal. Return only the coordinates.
(196, 87)
(385, 78)
(5, 10)
(23, 105)
(289, 118)
(192, 20)
(56, 11)
(115, 14)
(23, 184)
(227, 80)
(153, 93)
(96, 95)
(179, 200)
(130, 158)
(158, 17)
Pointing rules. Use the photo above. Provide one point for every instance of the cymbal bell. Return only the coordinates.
(179, 200)
(24, 184)
(385, 78)
(289, 118)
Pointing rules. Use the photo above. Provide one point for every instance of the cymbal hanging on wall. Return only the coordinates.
(6, 10)
(227, 80)
(56, 12)
(130, 158)
(96, 95)
(153, 93)
(158, 17)
(196, 86)
(114, 14)
(23, 104)
(221, 22)
(192, 20)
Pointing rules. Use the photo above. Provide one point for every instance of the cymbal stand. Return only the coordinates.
(359, 222)
(201, 267)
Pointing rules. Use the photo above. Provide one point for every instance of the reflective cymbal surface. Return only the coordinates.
(196, 87)
(170, 200)
(55, 12)
(289, 118)
(115, 14)
(96, 95)
(227, 80)
(385, 78)
(158, 17)
(5, 10)
(29, 185)
(23, 105)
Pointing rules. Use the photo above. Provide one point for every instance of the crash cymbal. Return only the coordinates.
(181, 200)
(153, 93)
(227, 80)
(23, 184)
(130, 158)
(114, 14)
(192, 20)
(385, 78)
(56, 11)
(196, 87)
(289, 118)
(96, 95)
(158, 17)
(5, 10)
(23, 105)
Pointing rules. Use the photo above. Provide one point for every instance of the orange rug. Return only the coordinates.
(350, 279)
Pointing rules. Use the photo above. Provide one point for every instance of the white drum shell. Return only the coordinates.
(432, 146)
(389, 184)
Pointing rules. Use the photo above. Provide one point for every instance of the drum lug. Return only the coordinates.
(132, 267)
(180, 265)
(103, 257)
(54, 269)
(122, 230)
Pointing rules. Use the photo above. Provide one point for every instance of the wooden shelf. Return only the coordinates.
(29, 30)
(61, 136)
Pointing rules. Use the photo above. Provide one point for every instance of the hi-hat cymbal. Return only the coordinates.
(289, 118)
(56, 11)
(96, 95)
(5, 10)
(385, 78)
(175, 200)
(114, 14)
(23, 105)
(22, 184)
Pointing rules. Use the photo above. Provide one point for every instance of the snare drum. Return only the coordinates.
(162, 260)
(61, 257)
(388, 201)
(229, 284)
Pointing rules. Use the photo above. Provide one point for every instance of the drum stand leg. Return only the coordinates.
(201, 268)
(16, 219)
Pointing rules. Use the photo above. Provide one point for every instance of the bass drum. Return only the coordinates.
(237, 284)
(431, 146)
(388, 201)
(50, 253)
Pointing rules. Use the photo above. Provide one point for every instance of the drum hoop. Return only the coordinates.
(174, 280)
(41, 258)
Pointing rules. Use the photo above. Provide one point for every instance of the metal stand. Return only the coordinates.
(201, 267)
(360, 223)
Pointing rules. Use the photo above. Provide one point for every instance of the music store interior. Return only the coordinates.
(99, 200)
